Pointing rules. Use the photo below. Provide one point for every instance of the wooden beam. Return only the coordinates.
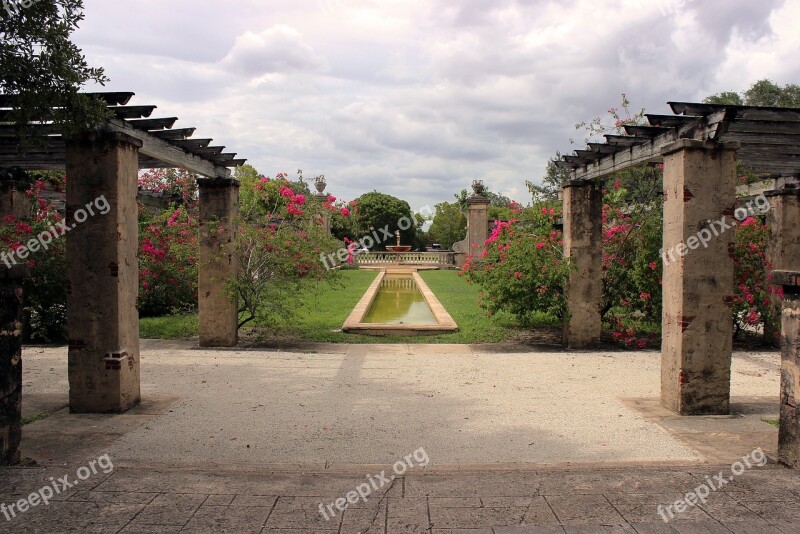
(174, 135)
(604, 148)
(191, 144)
(153, 124)
(170, 154)
(645, 131)
(668, 121)
(625, 140)
(110, 98)
(131, 112)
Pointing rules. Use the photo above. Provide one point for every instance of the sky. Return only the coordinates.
(417, 98)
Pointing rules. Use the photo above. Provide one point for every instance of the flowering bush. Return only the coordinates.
(178, 184)
(281, 253)
(522, 270)
(46, 289)
(632, 267)
(168, 256)
(754, 300)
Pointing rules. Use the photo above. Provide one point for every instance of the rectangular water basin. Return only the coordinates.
(399, 304)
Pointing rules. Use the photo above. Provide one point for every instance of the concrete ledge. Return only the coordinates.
(355, 324)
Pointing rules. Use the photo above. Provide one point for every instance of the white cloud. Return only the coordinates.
(418, 97)
(279, 49)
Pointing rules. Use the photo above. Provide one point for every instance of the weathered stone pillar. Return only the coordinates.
(783, 249)
(583, 242)
(11, 362)
(102, 272)
(477, 222)
(14, 199)
(789, 433)
(697, 328)
(219, 209)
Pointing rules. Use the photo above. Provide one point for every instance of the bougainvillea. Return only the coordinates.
(46, 289)
(168, 256)
(754, 302)
(281, 252)
(522, 268)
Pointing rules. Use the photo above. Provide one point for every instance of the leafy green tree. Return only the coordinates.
(39, 63)
(728, 98)
(378, 213)
(449, 225)
(762, 93)
(555, 177)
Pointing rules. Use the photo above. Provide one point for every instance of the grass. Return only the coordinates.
(774, 422)
(168, 327)
(33, 418)
(324, 310)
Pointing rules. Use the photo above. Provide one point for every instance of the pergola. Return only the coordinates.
(699, 145)
(102, 265)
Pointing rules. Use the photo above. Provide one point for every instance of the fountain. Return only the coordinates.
(398, 247)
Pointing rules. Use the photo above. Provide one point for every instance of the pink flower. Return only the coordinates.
(540, 246)
(9, 219)
(644, 295)
(299, 199)
(518, 274)
(653, 265)
(286, 192)
(748, 221)
(617, 184)
(345, 212)
(264, 180)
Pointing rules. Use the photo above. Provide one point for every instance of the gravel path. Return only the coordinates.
(376, 404)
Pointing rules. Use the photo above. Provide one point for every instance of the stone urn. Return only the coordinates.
(320, 184)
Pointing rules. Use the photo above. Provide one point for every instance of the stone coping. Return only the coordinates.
(354, 322)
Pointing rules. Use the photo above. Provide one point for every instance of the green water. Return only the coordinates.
(399, 301)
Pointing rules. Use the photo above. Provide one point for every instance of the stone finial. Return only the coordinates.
(478, 187)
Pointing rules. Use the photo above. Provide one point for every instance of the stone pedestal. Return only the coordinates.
(583, 243)
(14, 199)
(219, 209)
(477, 223)
(11, 362)
(103, 272)
(697, 330)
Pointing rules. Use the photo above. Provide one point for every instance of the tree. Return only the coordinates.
(449, 225)
(379, 213)
(44, 68)
(727, 98)
(555, 177)
(762, 93)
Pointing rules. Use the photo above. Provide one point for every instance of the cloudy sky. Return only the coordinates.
(416, 98)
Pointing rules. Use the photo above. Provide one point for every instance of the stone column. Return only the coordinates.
(783, 249)
(583, 242)
(789, 433)
(326, 217)
(102, 272)
(11, 362)
(219, 209)
(697, 328)
(477, 222)
(14, 199)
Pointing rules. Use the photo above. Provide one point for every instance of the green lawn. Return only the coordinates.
(325, 309)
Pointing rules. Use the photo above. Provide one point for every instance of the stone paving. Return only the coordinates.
(167, 477)
(589, 499)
